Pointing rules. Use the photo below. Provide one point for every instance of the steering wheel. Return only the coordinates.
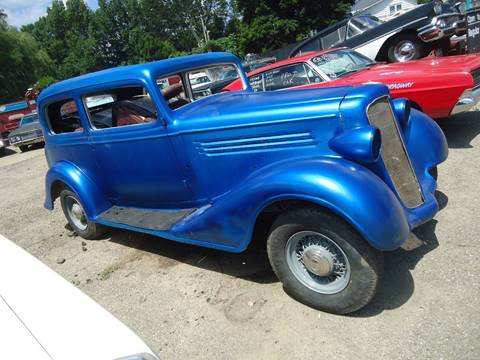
(172, 91)
(349, 67)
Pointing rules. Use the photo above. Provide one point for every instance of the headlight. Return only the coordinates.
(360, 144)
(438, 8)
(441, 23)
(1, 143)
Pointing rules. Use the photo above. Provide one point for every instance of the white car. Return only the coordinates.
(43, 316)
(199, 79)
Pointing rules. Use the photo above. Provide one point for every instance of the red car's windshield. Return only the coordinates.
(339, 63)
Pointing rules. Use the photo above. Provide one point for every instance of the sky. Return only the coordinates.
(22, 12)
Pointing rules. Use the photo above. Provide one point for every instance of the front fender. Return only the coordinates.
(92, 199)
(346, 188)
(425, 141)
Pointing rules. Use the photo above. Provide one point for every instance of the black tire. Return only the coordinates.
(3, 150)
(23, 148)
(92, 230)
(365, 263)
(419, 48)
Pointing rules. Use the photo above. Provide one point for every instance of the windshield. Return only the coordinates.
(29, 119)
(230, 74)
(340, 63)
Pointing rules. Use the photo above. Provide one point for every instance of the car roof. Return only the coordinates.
(296, 59)
(160, 67)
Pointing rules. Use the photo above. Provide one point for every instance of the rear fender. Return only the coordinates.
(344, 187)
(92, 199)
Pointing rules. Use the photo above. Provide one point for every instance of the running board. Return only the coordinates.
(144, 218)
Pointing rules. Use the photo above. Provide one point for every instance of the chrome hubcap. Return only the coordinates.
(318, 262)
(404, 51)
(76, 213)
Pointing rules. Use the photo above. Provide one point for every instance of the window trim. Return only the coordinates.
(70, 97)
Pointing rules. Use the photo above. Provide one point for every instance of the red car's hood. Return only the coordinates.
(400, 74)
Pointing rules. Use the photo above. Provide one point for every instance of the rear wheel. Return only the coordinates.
(322, 261)
(3, 150)
(405, 47)
(77, 218)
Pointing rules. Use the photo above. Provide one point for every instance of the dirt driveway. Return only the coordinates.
(192, 303)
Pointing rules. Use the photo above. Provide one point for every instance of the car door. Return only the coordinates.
(136, 163)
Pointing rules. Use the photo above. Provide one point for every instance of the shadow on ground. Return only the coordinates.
(398, 284)
(7, 152)
(252, 265)
(461, 129)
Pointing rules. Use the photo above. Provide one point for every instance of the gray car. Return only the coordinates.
(28, 133)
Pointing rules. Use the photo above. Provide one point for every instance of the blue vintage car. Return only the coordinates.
(339, 175)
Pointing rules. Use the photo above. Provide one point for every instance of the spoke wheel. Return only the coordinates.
(318, 262)
(322, 261)
(77, 217)
(76, 213)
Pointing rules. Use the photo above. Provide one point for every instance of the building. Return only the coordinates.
(383, 9)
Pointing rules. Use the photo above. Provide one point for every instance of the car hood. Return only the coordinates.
(240, 108)
(56, 313)
(416, 71)
(26, 129)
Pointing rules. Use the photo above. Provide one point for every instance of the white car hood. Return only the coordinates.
(61, 319)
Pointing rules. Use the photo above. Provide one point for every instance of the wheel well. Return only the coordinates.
(383, 52)
(270, 213)
(414, 105)
(56, 189)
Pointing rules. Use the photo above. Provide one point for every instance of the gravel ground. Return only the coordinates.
(189, 302)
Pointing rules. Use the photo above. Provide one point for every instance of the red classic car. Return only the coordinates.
(440, 87)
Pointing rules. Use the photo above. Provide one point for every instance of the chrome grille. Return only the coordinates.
(476, 77)
(394, 154)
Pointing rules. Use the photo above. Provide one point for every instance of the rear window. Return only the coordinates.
(63, 117)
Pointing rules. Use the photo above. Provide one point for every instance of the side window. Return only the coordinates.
(123, 106)
(63, 117)
(256, 82)
(312, 76)
(285, 77)
(333, 38)
(173, 91)
(211, 80)
(181, 89)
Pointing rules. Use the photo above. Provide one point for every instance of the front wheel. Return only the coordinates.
(322, 261)
(77, 218)
(405, 47)
(23, 148)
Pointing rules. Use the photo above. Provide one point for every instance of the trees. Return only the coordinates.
(22, 62)
(269, 24)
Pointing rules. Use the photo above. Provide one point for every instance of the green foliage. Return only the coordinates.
(43, 82)
(269, 24)
(22, 62)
